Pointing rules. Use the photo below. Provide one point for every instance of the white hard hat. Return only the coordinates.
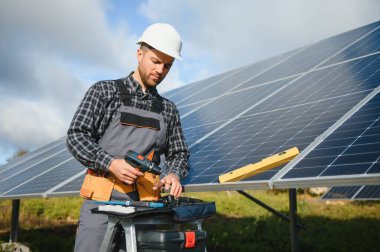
(164, 38)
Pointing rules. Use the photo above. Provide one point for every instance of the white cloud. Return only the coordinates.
(75, 30)
(29, 124)
(51, 52)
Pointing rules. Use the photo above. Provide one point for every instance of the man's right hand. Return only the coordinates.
(124, 171)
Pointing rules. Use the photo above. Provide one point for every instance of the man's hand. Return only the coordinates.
(171, 182)
(124, 171)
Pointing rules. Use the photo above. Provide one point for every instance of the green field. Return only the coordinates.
(239, 225)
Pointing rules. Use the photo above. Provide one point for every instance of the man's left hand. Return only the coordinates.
(171, 182)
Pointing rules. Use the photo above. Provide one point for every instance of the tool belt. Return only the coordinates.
(98, 185)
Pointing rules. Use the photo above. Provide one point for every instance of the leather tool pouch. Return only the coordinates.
(96, 188)
(145, 187)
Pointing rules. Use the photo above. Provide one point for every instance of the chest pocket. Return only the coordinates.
(129, 119)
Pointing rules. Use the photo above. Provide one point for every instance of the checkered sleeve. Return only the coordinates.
(177, 153)
(81, 138)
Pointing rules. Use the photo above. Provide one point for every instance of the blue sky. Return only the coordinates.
(52, 51)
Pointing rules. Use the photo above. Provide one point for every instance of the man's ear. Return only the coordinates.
(139, 55)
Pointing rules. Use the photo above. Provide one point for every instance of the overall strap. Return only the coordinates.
(125, 98)
(157, 105)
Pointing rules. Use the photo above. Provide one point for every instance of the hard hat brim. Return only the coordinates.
(171, 54)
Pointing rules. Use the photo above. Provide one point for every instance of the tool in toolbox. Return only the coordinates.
(151, 204)
(259, 167)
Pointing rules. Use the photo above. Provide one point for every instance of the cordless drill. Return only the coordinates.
(142, 163)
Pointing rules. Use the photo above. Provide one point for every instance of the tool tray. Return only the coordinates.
(181, 209)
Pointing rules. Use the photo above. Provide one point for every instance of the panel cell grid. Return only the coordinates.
(329, 83)
(369, 192)
(44, 182)
(12, 182)
(369, 44)
(315, 54)
(341, 192)
(242, 78)
(352, 149)
(28, 163)
(72, 186)
(183, 93)
(258, 136)
(228, 106)
(19, 160)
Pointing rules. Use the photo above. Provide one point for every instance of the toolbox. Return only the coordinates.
(171, 241)
(174, 226)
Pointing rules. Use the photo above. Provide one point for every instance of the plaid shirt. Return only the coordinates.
(95, 112)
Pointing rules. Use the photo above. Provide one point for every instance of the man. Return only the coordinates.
(128, 114)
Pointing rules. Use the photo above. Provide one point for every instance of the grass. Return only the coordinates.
(239, 225)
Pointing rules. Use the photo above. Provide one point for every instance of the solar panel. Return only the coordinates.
(366, 46)
(229, 105)
(350, 154)
(322, 98)
(180, 94)
(317, 54)
(289, 118)
(18, 160)
(12, 184)
(369, 192)
(32, 162)
(233, 80)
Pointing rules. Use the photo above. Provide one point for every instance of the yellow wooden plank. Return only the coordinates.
(259, 167)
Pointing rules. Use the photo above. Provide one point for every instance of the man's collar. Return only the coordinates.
(133, 84)
(136, 87)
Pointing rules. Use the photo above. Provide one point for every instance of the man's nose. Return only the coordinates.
(160, 68)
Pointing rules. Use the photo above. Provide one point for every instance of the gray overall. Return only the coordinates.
(130, 129)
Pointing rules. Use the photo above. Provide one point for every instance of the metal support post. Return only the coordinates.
(293, 220)
(15, 220)
(109, 235)
(270, 209)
